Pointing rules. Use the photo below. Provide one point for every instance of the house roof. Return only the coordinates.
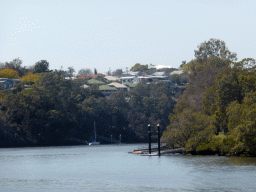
(87, 76)
(94, 81)
(126, 77)
(111, 78)
(177, 72)
(130, 84)
(158, 73)
(106, 87)
(159, 66)
(117, 85)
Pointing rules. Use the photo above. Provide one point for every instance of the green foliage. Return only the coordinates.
(41, 66)
(241, 138)
(30, 78)
(15, 65)
(214, 47)
(188, 129)
(139, 67)
(9, 73)
(117, 72)
(179, 79)
(84, 71)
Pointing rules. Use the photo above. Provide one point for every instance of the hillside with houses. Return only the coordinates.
(207, 106)
(39, 106)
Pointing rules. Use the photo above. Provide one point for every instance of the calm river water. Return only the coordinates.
(112, 168)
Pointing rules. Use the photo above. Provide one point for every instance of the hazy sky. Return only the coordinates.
(105, 34)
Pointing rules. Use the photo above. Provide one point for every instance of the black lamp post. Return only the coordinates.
(158, 138)
(149, 139)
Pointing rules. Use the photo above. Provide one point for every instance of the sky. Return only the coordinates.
(115, 34)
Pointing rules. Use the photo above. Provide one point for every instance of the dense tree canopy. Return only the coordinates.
(9, 73)
(139, 67)
(41, 66)
(215, 114)
(84, 71)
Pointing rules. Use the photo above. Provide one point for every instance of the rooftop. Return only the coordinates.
(106, 87)
(118, 85)
(130, 84)
(94, 81)
(111, 78)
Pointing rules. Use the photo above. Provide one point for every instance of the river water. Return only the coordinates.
(112, 168)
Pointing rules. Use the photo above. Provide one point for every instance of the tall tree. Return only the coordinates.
(15, 65)
(71, 71)
(9, 73)
(117, 72)
(84, 71)
(139, 67)
(41, 66)
(214, 47)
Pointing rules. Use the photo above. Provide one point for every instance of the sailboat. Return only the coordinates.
(94, 142)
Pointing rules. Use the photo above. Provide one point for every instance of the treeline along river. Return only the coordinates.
(112, 168)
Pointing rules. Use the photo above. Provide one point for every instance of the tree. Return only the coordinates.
(117, 72)
(188, 129)
(15, 65)
(95, 72)
(41, 66)
(139, 67)
(9, 73)
(241, 138)
(182, 64)
(30, 78)
(84, 71)
(214, 47)
(2, 66)
(71, 71)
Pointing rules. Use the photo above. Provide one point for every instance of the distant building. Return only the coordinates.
(130, 86)
(118, 86)
(156, 67)
(87, 76)
(95, 82)
(158, 73)
(126, 79)
(8, 83)
(107, 90)
(111, 78)
(177, 72)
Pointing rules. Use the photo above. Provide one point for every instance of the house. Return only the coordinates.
(87, 76)
(8, 83)
(111, 78)
(177, 72)
(126, 79)
(118, 86)
(130, 73)
(156, 67)
(107, 90)
(158, 74)
(95, 82)
(130, 86)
